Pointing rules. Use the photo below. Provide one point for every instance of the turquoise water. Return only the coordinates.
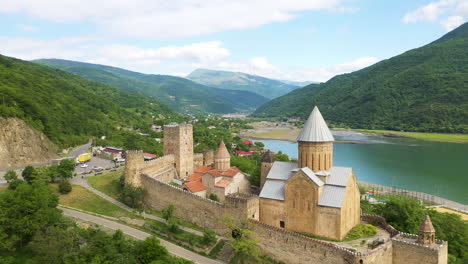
(431, 167)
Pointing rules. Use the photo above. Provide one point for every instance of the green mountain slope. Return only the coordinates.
(241, 81)
(425, 89)
(178, 93)
(67, 108)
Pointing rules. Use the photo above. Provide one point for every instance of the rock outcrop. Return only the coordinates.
(22, 145)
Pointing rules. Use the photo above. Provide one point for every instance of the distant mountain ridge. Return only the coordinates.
(424, 89)
(179, 94)
(67, 108)
(241, 81)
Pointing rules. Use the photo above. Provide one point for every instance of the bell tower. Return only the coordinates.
(315, 144)
(426, 232)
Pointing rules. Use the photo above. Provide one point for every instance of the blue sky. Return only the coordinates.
(302, 40)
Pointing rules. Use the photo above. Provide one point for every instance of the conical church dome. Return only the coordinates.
(315, 129)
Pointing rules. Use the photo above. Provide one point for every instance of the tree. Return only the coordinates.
(29, 174)
(242, 240)
(132, 196)
(65, 187)
(168, 213)
(209, 236)
(66, 168)
(54, 243)
(214, 197)
(27, 209)
(10, 175)
(151, 250)
(280, 156)
(403, 213)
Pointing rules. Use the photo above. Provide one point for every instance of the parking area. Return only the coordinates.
(95, 161)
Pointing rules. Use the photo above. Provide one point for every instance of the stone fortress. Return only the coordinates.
(310, 196)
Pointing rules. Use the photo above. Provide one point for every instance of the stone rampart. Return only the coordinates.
(406, 251)
(197, 160)
(190, 207)
(379, 220)
(156, 166)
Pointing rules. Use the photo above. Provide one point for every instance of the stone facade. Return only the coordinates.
(318, 156)
(178, 140)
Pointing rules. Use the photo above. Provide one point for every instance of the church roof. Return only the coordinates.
(195, 186)
(312, 176)
(269, 157)
(273, 190)
(426, 226)
(222, 152)
(282, 170)
(332, 196)
(339, 176)
(315, 129)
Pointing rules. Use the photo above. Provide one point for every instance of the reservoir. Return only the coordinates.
(436, 168)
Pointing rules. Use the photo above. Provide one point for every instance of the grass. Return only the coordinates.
(3, 188)
(83, 199)
(215, 251)
(107, 183)
(361, 231)
(440, 137)
(180, 235)
(463, 216)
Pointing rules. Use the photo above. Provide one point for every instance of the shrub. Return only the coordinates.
(209, 237)
(168, 212)
(65, 187)
(173, 226)
(361, 231)
(213, 197)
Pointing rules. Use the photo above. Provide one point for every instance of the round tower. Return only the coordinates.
(267, 162)
(426, 232)
(315, 144)
(134, 163)
(222, 159)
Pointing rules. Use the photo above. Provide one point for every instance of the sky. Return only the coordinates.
(297, 40)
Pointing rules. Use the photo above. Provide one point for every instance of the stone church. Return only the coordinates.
(310, 196)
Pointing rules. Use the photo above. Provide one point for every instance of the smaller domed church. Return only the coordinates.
(310, 196)
(220, 179)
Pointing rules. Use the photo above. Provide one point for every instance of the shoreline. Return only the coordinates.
(277, 131)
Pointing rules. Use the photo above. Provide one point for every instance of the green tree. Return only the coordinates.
(242, 239)
(65, 186)
(52, 244)
(10, 175)
(280, 156)
(27, 209)
(132, 196)
(214, 197)
(66, 168)
(403, 213)
(29, 174)
(168, 213)
(151, 250)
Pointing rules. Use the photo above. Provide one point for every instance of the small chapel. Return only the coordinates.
(310, 195)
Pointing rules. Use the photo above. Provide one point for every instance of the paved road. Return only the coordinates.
(78, 180)
(140, 235)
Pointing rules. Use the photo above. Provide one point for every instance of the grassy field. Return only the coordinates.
(454, 138)
(3, 188)
(83, 199)
(464, 217)
(107, 183)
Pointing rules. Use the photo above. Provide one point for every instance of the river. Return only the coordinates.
(432, 167)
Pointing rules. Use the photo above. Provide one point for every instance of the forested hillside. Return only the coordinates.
(425, 89)
(67, 108)
(241, 81)
(178, 93)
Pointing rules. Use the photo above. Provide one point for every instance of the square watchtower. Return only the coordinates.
(178, 140)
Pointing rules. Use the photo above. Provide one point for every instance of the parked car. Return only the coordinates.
(119, 160)
(97, 168)
(84, 165)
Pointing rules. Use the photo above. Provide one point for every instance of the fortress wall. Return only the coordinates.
(405, 252)
(156, 166)
(190, 207)
(294, 248)
(198, 160)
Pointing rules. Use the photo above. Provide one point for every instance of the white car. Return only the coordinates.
(84, 165)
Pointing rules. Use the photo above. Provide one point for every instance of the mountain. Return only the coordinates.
(241, 81)
(178, 93)
(66, 108)
(424, 89)
(299, 84)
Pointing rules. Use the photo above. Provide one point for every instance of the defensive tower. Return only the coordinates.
(178, 140)
(134, 163)
(426, 232)
(315, 144)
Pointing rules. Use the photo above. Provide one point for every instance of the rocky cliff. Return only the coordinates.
(21, 145)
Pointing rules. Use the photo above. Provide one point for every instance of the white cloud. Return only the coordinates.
(27, 28)
(452, 22)
(455, 12)
(176, 18)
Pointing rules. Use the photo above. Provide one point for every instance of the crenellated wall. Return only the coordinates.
(198, 160)
(407, 251)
